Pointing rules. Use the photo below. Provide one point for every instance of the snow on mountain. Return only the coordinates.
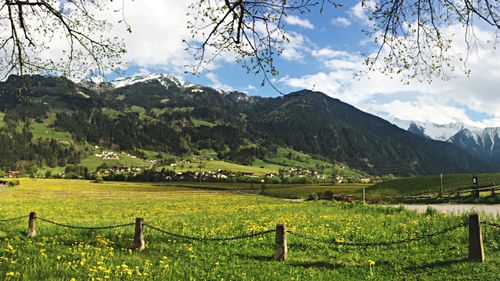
(165, 79)
(483, 143)
(442, 132)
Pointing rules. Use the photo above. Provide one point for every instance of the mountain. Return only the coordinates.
(481, 143)
(160, 113)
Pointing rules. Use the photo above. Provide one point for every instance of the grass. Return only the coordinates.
(150, 154)
(137, 109)
(157, 112)
(111, 113)
(41, 130)
(214, 165)
(92, 161)
(292, 158)
(302, 191)
(430, 184)
(2, 122)
(200, 123)
(62, 254)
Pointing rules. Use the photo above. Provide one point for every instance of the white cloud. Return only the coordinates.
(217, 84)
(441, 101)
(359, 10)
(341, 21)
(329, 53)
(294, 20)
(421, 110)
(295, 48)
(158, 28)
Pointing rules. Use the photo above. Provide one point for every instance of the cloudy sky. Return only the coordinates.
(325, 52)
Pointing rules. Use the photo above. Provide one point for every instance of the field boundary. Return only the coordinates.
(476, 248)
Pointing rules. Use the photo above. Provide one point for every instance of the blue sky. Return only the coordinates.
(325, 53)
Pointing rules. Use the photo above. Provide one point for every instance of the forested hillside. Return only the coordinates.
(55, 121)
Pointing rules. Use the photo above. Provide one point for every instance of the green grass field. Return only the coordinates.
(292, 158)
(200, 122)
(2, 123)
(430, 184)
(41, 130)
(303, 191)
(92, 161)
(59, 253)
(214, 165)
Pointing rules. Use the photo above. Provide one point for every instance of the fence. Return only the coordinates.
(474, 191)
(475, 245)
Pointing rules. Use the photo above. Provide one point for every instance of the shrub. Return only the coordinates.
(98, 178)
(313, 197)
(14, 183)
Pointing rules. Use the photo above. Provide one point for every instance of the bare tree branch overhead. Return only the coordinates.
(56, 37)
(68, 37)
(409, 34)
(252, 31)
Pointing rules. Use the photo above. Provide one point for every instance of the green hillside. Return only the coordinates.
(306, 130)
(41, 130)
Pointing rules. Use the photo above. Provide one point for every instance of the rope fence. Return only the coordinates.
(13, 219)
(85, 227)
(245, 236)
(497, 225)
(476, 248)
(378, 244)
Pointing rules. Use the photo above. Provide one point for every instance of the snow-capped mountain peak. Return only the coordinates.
(482, 143)
(165, 79)
(442, 132)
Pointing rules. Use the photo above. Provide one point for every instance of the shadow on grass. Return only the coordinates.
(318, 264)
(255, 257)
(435, 264)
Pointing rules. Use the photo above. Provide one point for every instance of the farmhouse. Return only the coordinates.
(108, 155)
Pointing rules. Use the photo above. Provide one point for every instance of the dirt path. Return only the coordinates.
(458, 208)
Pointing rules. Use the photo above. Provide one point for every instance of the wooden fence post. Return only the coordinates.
(476, 250)
(364, 196)
(139, 244)
(493, 192)
(281, 249)
(32, 225)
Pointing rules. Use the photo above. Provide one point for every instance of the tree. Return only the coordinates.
(409, 34)
(29, 28)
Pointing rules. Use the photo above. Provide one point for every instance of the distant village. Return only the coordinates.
(192, 170)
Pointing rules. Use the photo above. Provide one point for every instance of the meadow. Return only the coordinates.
(59, 253)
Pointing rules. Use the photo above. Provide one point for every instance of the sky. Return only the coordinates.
(325, 53)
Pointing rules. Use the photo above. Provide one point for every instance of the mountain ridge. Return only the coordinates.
(178, 118)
